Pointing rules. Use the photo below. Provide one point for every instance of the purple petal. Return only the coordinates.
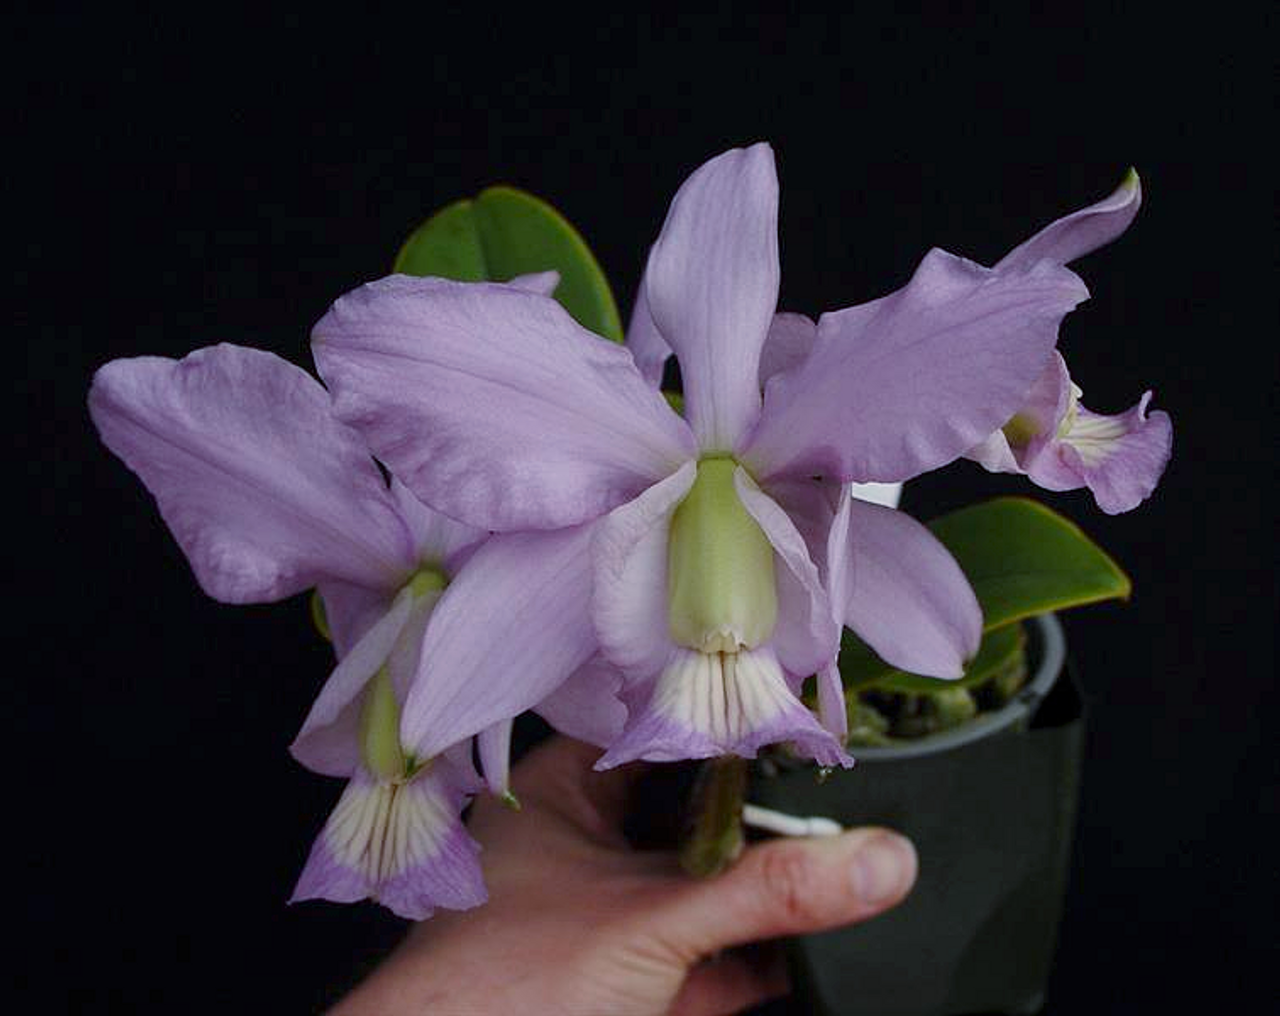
(807, 636)
(511, 627)
(1119, 458)
(900, 589)
(832, 711)
(1075, 235)
(629, 601)
(493, 405)
(542, 283)
(350, 611)
(790, 340)
(329, 740)
(494, 747)
(587, 706)
(406, 655)
(811, 505)
(994, 454)
(700, 708)
(906, 383)
(412, 854)
(712, 288)
(264, 490)
(645, 342)
(437, 539)
(1032, 426)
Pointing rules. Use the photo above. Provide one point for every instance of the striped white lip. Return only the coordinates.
(725, 696)
(384, 829)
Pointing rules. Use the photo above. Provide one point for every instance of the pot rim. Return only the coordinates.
(1052, 655)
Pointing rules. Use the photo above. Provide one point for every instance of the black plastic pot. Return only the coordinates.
(990, 807)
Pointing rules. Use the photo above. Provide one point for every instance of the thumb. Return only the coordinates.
(791, 886)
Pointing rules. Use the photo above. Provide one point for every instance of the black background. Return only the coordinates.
(177, 184)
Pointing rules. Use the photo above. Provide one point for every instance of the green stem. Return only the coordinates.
(714, 836)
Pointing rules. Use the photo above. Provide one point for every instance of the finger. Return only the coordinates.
(559, 773)
(791, 886)
(731, 983)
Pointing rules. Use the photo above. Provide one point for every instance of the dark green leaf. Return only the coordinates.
(504, 233)
(1024, 559)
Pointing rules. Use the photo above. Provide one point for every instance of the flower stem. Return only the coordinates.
(714, 836)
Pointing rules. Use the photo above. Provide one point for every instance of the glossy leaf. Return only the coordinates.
(1022, 559)
(504, 233)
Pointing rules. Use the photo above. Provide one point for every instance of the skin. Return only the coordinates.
(579, 922)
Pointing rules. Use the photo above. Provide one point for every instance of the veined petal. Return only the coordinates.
(406, 654)
(807, 635)
(437, 538)
(707, 704)
(644, 340)
(511, 627)
(811, 505)
(1034, 424)
(906, 383)
(832, 711)
(1119, 458)
(994, 454)
(493, 744)
(900, 589)
(402, 844)
(264, 490)
(790, 340)
(329, 740)
(629, 596)
(1075, 235)
(587, 707)
(350, 611)
(712, 287)
(492, 404)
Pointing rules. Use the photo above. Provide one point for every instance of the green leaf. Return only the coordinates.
(1022, 559)
(504, 233)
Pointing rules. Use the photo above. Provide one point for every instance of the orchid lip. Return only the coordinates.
(380, 830)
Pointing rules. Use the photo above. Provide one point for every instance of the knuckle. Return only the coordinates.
(791, 884)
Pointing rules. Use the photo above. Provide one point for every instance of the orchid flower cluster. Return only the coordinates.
(500, 511)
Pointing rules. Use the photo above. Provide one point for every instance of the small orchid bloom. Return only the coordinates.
(268, 495)
(673, 551)
(1052, 438)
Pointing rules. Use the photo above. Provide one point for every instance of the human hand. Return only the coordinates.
(580, 923)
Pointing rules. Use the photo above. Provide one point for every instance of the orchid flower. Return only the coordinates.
(671, 550)
(1052, 438)
(268, 495)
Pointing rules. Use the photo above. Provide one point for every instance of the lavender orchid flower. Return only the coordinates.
(269, 495)
(670, 550)
(1053, 439)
